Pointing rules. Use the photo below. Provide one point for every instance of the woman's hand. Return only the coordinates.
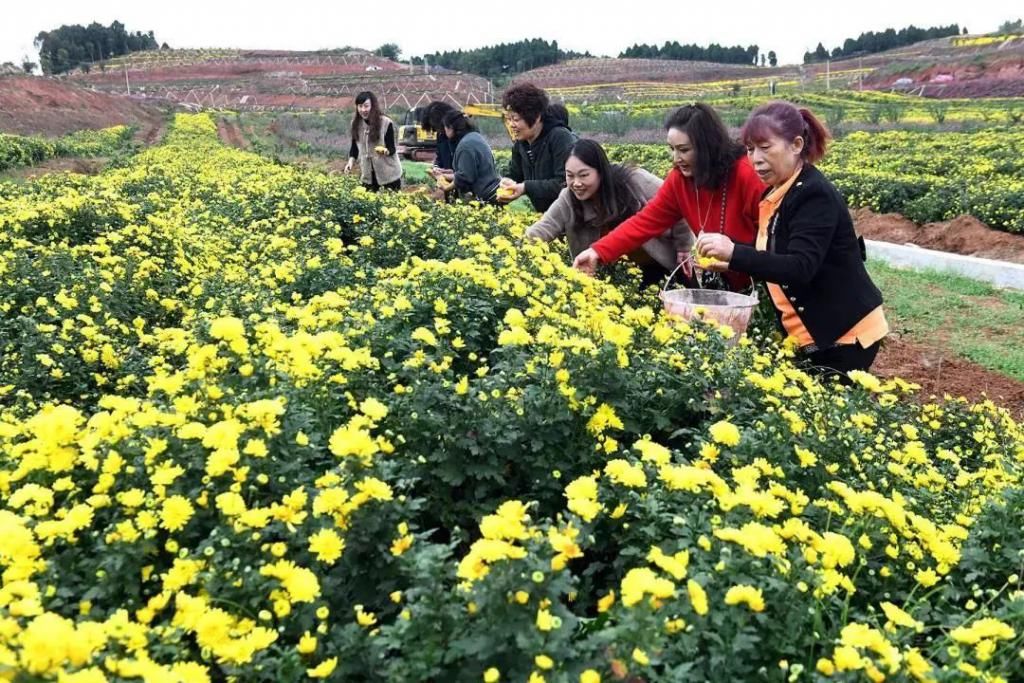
(348, 166)
(718, 247)
(685, 259)
(447, 175)
(509, 190)
(587, 262)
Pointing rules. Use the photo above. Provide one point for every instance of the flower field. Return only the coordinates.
(258, 424)
(18, 150)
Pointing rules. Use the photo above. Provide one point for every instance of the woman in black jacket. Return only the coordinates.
(537, 167)
(806, 249)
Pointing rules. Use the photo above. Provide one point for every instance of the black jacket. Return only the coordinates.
(541, 165)
(445, 157)
(816, 257)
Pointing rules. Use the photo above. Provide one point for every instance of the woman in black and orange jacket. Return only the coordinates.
(806, 250)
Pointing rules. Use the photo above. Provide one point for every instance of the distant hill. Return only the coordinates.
(956, 66)
(275, 79)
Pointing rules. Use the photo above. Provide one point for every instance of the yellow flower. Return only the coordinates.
(326, 545)
(543, 662)
(364, 618)
(307, 644)
(640, 657)
(623, 472)
(725, 433)
(545, 620)
(749, 595)
(590, 676)
(698, 597)
(492, 675)
(324, 669)
(175, 513)
(603, 418)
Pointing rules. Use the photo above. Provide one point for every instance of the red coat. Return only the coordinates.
(677, 199)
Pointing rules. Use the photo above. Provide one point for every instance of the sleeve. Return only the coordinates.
(464, 169)
(659, 215)
(548, 188)
(515, 165)
(554, 222)
(680, 234)
(811, 230)
(353, 150)
(389, 139)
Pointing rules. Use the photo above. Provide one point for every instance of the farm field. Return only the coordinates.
(229, 387)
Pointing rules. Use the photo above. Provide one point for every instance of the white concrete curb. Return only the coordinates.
(998, 273)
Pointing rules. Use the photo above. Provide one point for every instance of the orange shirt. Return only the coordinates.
(871, 327)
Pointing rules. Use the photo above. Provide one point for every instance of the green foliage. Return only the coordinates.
(888, 39)
(68, 47)
(692, 52)
(17, 150)
(503, 59)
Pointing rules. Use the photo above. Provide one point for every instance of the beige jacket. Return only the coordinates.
(559, 220)
(387, 168)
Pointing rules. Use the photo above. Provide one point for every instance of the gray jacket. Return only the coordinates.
(559, 220)
(474, 167)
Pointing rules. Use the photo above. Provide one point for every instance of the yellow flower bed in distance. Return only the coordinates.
(259, 424)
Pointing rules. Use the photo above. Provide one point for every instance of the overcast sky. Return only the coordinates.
(789, 27)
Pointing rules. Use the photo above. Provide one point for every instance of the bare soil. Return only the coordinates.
(962, 235)
(37, 105)
(941, 373)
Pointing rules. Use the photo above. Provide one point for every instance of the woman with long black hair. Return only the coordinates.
(373, 146)
(597, 198)
(711, 186)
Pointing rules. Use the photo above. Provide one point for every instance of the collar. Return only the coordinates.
(776, 195)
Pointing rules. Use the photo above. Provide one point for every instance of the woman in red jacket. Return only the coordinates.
(711, 186)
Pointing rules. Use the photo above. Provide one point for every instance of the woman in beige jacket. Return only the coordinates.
(599, 196)
(373, 146)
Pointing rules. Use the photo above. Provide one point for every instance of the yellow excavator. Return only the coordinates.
(416, 144)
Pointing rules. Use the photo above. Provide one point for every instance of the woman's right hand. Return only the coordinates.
(348, 166)
(587, 262)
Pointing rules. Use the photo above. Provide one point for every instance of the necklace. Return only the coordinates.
(707, 214)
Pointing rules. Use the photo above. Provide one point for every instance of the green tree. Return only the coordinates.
(772, 59)
(389, 50)
(69, 47)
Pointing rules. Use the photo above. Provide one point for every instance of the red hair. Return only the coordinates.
(784, 120)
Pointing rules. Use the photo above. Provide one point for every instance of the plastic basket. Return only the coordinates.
(726, 308)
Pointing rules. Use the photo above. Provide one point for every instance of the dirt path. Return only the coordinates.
(942, 372)
(152, 134)
(230, 134)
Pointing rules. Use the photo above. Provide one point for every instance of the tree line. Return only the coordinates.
(736, 54)
(872, 41)
(68, 47)
(497, 60)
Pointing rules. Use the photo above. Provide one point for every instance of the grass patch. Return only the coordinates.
(415, 172)
(973, 319)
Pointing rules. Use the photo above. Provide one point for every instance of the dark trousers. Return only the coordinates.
(837, 360)
(374, 187)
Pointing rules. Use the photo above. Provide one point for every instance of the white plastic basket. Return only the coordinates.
(726, 308)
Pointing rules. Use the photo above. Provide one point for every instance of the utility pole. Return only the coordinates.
(126, 85)
(828, 74)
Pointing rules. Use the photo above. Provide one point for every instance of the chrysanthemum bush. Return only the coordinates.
(262, 425)
(17, 150)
